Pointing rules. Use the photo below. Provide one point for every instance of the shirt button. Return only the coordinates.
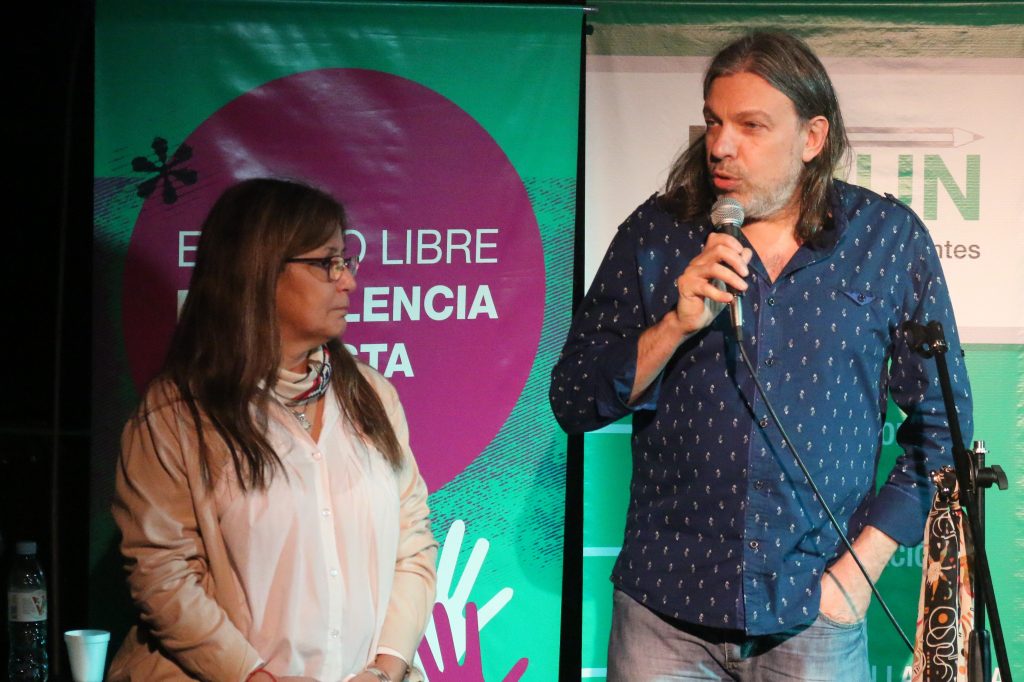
(763, 422)
(860, 298)
(335, 632)
(754, 545)
(771, 300)
(334, 573)
(759, 485)
(317, 455)
(325, 512)
(769, 362)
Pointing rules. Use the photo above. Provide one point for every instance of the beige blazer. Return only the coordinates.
(192, 612)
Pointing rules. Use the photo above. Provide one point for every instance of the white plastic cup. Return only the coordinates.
(87, 651)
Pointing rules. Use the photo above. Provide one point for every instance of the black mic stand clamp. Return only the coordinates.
(974, 477)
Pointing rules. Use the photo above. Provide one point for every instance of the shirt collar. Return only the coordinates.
(839, 221)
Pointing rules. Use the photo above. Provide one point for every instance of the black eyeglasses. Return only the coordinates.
(334, 266)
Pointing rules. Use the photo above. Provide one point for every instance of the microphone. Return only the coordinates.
(727, 217)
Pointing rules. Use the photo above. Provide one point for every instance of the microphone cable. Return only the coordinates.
(727, 215)
(787, 443)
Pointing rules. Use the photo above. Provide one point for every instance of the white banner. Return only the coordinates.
(942, 134)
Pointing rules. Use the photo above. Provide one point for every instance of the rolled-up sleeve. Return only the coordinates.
(901, 506)
(593, 378)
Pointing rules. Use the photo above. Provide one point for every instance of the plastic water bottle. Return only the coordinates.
(26, 620)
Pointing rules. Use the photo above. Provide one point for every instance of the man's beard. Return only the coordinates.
(767, 202)
(763, 202)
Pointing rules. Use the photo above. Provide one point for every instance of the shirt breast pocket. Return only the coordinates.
(859, 297)
(862, 316)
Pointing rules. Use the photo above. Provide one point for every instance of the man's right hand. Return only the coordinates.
(723, 261)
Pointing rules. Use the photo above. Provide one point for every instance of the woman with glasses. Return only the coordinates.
(274, 520)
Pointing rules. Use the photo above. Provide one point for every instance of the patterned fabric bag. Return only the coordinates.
(940, 649)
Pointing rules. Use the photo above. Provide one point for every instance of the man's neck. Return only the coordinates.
(774, 241)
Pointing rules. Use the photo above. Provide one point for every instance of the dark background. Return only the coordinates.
(44, 414)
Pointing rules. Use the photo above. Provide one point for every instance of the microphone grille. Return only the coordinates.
(727, 211)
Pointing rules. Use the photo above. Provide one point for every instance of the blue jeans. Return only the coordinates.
(647, 647)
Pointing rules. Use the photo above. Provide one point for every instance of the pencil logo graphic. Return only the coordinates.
(892, 136)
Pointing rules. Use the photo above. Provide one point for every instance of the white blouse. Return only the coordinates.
(315, 553)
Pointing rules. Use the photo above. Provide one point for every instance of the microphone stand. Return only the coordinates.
(973, 477)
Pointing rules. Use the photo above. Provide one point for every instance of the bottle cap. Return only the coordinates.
(25, 548)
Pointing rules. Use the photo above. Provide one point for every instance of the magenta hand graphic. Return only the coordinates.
(454, 589)
(471, 669)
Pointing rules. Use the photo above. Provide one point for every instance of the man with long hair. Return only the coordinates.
(730, 568)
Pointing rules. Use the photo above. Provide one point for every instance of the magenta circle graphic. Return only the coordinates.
(451, 289)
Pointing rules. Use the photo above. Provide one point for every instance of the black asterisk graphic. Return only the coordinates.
(167, 171)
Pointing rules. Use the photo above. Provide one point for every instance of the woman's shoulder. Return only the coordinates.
(161, 397)
(163, 409)
(378, 382)
(155, 429)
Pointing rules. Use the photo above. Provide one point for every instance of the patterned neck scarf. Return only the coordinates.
(295, 390)
(945, 617)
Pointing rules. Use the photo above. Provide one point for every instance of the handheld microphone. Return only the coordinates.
(727, 217)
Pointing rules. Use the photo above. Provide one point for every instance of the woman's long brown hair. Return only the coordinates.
(224, 355)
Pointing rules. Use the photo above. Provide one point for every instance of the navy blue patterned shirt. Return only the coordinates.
(722, 529)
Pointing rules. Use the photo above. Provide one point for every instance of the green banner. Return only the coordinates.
(449, 132)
